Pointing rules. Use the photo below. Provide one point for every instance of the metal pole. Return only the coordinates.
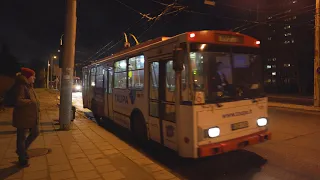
(68, 65)
(177, 108)
(316, 56)
(48, 74)
(51, 69)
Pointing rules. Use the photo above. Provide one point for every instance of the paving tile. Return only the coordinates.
(91, 151)
(87, 175)
(96, 156)
(163, 175)
(153, 167)
(105, 168)
(79, 161)
(60, 167)
(76, 156)
(8, 161)
(83, 167)
(61, 175)
(115, 175)
(100, 162)
(143, 161)
(110, 152)
(105, 147)
(35, 175)
(35, 167)
(54, 159)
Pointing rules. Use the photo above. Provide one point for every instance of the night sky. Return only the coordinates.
(32, 29)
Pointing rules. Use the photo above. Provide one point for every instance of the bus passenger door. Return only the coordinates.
(105, 94)
(85, 88)
(162, 124)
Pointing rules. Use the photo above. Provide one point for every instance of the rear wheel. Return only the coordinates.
(139, 129)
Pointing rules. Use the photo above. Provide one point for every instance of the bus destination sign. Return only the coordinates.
(225, 38)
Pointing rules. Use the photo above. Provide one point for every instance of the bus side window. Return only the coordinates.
(170, 76)
(154, 80)
(120, 74)
(110, 81)
(136, 72)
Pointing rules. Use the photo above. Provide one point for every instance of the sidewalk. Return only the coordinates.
(292, 102)
(86, 152)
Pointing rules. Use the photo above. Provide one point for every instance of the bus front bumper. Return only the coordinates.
(234, 144)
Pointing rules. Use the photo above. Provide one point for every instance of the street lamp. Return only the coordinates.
(54, 57)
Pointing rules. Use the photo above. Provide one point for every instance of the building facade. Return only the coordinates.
(288, 47)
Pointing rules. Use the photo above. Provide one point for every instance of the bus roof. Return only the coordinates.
(205, 36)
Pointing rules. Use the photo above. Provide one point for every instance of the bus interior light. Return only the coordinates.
(258, 42)
(203, 46)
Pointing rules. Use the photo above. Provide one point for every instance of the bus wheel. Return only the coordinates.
(139, 129)
(98, 120)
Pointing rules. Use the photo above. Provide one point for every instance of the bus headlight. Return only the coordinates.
(214, 132)
(78, 87)
(262, 122)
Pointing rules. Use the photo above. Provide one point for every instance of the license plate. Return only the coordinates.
(239, 125)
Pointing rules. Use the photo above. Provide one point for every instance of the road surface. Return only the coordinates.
(293, 153)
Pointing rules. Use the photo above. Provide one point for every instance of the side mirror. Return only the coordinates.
(178, 57)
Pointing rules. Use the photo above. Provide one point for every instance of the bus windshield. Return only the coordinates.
(226, 73)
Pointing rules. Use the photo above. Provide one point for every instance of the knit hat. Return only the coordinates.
(27, 72)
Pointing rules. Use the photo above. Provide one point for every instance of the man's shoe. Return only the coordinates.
(23, 163)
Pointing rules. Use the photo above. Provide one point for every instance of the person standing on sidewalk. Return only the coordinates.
(26, 113)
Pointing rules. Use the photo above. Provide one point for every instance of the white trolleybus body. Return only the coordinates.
(222, 106)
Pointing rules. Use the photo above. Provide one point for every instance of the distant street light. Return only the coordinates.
(210, 2)
(54, 57)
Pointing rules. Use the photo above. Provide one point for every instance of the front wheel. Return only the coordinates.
(99, 120)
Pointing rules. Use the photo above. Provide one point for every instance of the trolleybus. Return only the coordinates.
(198, 93)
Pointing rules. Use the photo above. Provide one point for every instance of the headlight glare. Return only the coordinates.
(262, 122)
(214, 132)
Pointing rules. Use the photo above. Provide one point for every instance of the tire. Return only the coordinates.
(99, 120)
(139, 129)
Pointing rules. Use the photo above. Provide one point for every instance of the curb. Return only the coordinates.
(294, 106)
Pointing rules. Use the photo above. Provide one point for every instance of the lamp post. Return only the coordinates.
(316, 93)
(65, 109)
(48, 74)
(51, 67)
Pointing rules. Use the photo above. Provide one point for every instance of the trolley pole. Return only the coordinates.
(316, 57)
(65, 113)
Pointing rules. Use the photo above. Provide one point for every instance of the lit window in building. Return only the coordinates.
(287, 65)
(286, 42)
(274, 66)
(294, 17)
(268, 66)
(274, 30)
(274, 59)
(270, 17)
(295, 1)
(274, 73)
(287, 34)
(269, 38)
(273, 80)
(269, 24)
(292, 41)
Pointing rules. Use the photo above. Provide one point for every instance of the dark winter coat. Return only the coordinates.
(26, 113)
